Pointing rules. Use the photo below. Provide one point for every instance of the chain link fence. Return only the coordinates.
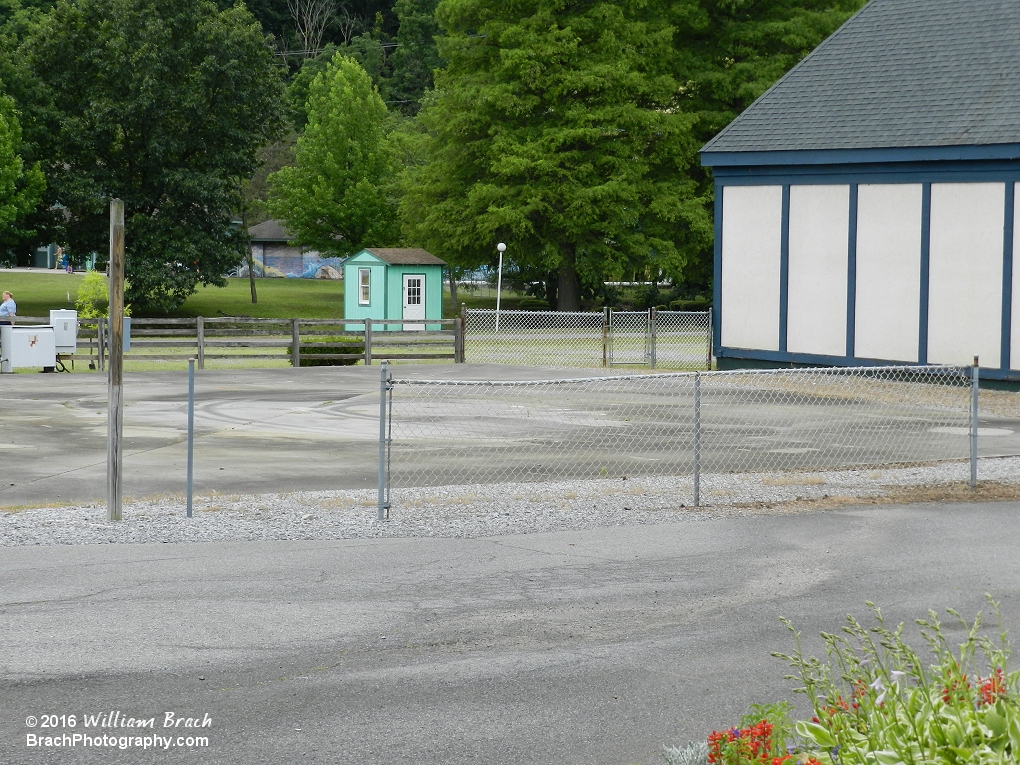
(443, 433)
(664, 339)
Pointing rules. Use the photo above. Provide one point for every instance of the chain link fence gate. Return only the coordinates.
(656, 339)
(701, 425)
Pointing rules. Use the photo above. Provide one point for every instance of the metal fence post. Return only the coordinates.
(605, 336)
(191, 432)
(697, 439)
(973, 423)
(368, 343)
(711, 339)
(383, 506)
(653, 319)
(200, 340)
(295, 343)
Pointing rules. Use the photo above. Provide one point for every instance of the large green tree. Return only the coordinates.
(164, 104)
(337, 198)
(20, 187)
(571, 130)
(553, 130)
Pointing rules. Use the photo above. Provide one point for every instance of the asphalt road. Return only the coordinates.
(563, 648)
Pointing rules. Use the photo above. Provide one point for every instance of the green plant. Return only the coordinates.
(308, 354)
(93, 296)
(93, 299)
(876, 701)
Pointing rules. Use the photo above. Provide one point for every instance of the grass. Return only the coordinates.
(37, 292)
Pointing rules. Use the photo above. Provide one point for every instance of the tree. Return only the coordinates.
(553, 130)
(20, 187)
(164, 104)
(416, 56)
(571, 130)
(337, 197)
(311, 17)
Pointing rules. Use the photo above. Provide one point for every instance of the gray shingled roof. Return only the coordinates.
(406, 256)
(269, 231)
(901, 73)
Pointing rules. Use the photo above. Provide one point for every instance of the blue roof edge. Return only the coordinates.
(860, 156)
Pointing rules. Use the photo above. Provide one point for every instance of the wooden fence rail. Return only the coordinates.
(204, 338)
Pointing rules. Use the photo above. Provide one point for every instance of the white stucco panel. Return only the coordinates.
(819, 246)
(965, 273)
(751, 245)
(1014, 350)
(888, 304)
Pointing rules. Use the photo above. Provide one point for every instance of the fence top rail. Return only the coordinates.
(930, 369)
(492, 312)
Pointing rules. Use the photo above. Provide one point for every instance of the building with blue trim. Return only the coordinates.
(865, 204)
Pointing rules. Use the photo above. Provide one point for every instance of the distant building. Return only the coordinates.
(394, 283)
(273, 256)
(866, 204)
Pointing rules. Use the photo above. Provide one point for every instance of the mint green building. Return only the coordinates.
(394, 283)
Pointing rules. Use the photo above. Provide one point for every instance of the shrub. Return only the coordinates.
(308, 354)
(93, 298)
(876, 701)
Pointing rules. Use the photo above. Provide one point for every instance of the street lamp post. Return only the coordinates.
(499, 280)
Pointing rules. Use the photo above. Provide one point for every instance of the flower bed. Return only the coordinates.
(877, 702)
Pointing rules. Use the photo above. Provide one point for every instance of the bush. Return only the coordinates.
(308, 354)
(699, 303)
(534, 304)
(93, 298)
(876, 701)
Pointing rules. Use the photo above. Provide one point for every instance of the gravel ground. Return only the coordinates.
(485, 510)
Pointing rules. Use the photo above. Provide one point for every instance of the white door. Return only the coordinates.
(414, 299)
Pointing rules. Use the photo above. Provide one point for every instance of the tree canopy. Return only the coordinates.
(571, 130)
(20, 187)
(553, 131)
(164, 104)
(336, 198)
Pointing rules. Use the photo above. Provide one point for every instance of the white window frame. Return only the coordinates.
(364, 286)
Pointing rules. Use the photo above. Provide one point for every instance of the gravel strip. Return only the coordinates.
(470, 511)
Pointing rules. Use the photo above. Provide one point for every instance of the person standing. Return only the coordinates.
(8, 308)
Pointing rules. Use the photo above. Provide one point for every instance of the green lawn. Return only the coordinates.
(36, 293)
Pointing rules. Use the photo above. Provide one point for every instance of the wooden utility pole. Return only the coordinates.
(115, 390)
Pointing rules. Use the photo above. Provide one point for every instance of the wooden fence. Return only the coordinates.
(204, 338)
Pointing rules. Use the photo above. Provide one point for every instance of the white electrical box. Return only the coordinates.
(30, 346)
(65, 330)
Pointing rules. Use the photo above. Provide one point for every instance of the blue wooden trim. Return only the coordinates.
(851, 276)
(784, 269)
(1007, 276)
(813, 359)
(832, 174)
(717, 268)
(922, 325)
(1005, 151)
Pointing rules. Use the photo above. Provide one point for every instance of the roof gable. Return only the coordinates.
(404, 256)
(899, 74)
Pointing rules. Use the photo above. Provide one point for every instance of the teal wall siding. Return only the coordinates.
(376, 309)
(433, 293)
(387, 288)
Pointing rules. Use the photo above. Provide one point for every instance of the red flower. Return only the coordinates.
(993, 689)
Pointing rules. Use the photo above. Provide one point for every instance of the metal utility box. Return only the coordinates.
(31, 346)
(65, 330)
